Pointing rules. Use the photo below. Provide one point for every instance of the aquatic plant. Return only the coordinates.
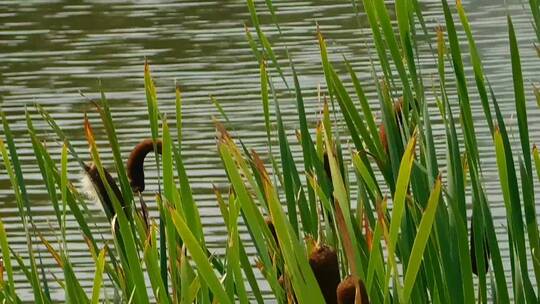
(370, 211)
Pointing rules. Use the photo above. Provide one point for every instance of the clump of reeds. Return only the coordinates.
(339, 190)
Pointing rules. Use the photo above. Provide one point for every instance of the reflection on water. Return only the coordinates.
(51, 51)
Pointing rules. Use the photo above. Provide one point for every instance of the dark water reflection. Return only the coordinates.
(51, 51)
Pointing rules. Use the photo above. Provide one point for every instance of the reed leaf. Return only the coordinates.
(17, 183)
(420, 242)
(199, 256)
(98, 277)
(9, 287)
(251, 214)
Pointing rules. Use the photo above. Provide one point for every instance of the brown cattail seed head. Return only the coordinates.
(135, 163)
(346, 291)
(324, 263)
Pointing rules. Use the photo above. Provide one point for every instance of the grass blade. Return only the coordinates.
(199, 256)
(420, 242)
(98, 277)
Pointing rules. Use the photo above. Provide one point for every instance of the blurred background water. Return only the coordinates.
(52, 50)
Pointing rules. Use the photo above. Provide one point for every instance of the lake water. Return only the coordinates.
(51, 51)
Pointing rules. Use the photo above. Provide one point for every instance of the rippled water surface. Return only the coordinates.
(49, 52)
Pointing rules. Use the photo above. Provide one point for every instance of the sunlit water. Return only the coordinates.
(50, 52)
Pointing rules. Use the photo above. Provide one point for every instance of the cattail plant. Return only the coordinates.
(372, 181)
(324, 263)
(349, 289)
